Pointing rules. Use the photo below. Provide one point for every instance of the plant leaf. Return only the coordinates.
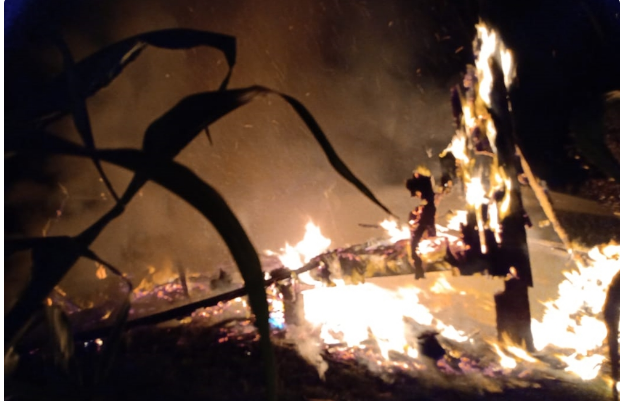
(329, 151)
(188, 186)
(173, 131)
(112, 343)
(80, 111)
(93, 256)
(62, 337)
(52, 257)
(99, 70)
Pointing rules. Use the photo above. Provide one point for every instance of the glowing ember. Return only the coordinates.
(573, 321)
(101, 273)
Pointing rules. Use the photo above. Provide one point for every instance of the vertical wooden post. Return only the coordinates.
(512, 306)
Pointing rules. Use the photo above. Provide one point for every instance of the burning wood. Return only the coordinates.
(321, 301)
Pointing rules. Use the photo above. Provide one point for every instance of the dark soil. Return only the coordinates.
(196, 363)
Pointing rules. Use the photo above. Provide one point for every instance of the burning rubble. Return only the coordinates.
(406, 328)
(332, 306)
(330, 310)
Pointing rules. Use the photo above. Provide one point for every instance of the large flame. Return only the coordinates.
(356, 313)
(491, 48)
(573, 321)
(355, 316)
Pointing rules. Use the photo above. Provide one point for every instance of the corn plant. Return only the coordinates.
(27, 138)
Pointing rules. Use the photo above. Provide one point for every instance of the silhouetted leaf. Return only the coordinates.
(100, 69)
(62, 337)
(112, 343)
(80, 112)
(93, 256)
(173, 131)
(208, 134)
(329, 151)
(51, 258)
(185, 184)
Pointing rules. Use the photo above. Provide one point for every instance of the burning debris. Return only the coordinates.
(397, 331)
(328, 305)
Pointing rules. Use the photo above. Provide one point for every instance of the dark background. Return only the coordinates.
(376, 75)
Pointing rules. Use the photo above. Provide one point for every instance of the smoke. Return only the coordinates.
(374, 75)
(309, 345)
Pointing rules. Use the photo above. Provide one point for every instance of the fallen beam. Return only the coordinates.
(187, 310)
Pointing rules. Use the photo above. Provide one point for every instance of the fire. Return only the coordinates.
(488, 47)
(504, 360)
(459, 217)
(387, 322)
(313, 244)
(396, 234)
(585, 367)
(100, 273)
(573, 321)
(458, 146)
(356, 313)
(520, 353)
(475, 194)
(492, 134)
(492, 48)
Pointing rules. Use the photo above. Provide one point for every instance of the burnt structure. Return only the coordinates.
(421, 219)
(484, 153)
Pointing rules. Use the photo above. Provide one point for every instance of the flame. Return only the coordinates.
(491, 48)
(573, 321)
(100, 273)
(459, 217)
(492, 134)
(504, 360)
(458, 146)
(396, 234)
(313, 244)
(488, 47)
(475, 194)
(585, 367)
(520, 353)
(507, 66)
(353, 314)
